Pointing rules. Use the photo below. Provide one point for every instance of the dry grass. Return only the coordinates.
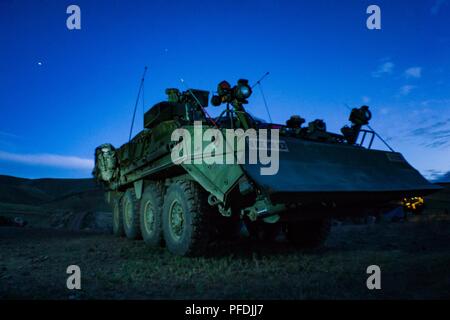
(414, 258)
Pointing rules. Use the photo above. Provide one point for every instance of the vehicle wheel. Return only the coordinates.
(150, 215)
(117, 218)
(186, 218)
(130, 208)
(307, 234)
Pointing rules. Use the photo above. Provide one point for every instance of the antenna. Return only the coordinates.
(258, 83)
(141, 88)
(261, 79)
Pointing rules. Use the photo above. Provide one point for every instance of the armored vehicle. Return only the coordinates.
(180, 182)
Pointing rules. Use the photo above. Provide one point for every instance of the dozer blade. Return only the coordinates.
(314, 171)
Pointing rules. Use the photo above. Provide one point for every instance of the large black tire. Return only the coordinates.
(117, 217)
(307, 234)
(186, 219)
(150, 215)
(130, 209)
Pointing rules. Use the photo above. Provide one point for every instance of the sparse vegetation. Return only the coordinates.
(413, 256)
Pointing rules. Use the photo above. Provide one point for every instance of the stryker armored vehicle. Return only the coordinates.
(186, 197)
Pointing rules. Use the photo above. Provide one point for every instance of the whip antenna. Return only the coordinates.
(258, 83)
(261, 79)
(141, 88)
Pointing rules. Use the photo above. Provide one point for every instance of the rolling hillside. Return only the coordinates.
(42, 196)
(38, 191)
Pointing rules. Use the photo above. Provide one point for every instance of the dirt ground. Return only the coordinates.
(414, 258)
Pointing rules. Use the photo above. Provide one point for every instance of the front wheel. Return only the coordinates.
(307, 234)
(117, 218)
(186, 218)
(130, 207)
(151, 204)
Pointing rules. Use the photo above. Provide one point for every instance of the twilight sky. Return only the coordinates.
(63, 92)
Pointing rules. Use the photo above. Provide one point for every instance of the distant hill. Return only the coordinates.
(39, 191)
(439, 201)
(444, 178)
(22, 195)
(53, 202)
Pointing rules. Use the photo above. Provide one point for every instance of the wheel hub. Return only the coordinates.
(176, 219)
(149, 221)
(116, 216)
(128, 214)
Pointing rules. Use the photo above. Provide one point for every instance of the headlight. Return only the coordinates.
(360, 116)
(227, 94)
(243, 90)
(367, 113)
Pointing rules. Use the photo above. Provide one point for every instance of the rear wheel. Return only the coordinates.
(186, 218)
(130, 207)
(150, 215)
(117, 218)
(307, 234)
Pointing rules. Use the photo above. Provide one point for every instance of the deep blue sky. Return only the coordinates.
(64, 92)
